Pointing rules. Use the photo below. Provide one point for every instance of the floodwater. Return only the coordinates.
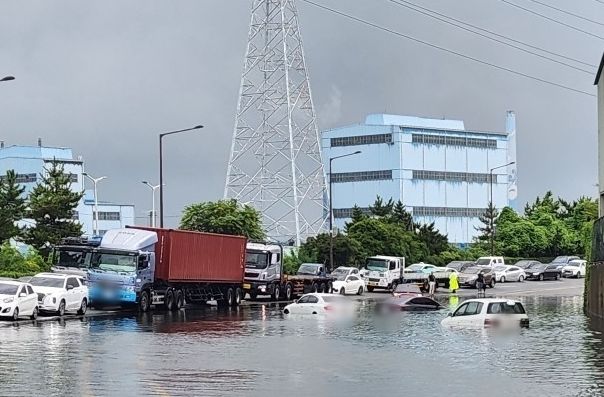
(256, 351)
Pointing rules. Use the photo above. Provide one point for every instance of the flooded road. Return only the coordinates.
(256, 351)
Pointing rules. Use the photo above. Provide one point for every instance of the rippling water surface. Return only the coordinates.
(256, 351)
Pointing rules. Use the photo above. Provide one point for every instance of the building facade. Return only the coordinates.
(437, 168)
(30, 162)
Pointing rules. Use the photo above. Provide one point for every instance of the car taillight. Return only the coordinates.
(328, 308)
(491, 322)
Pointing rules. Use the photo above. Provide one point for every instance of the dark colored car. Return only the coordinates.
(408, 303)
(544, 272)
(527, 264)
(469, 276)
(460, 266)
(561, 261)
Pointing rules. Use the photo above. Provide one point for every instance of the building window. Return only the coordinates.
(73, 178)
(361, 140)
(452, 176)
(454, 141)
(450, 212)
(361, 176)
(109, 216)
(340, 213)
(23, 178)
(75, 215)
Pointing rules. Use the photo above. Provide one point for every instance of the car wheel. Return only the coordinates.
(83, 307)
(520, 278)
(502, 279)
(342, 291)
(34, 315)
(144, 303)
(541, 277)
(492, 283)
(61, 311)
(557, 277)
(360, 292)
(286, 311)
(15, 314)
(288, 292)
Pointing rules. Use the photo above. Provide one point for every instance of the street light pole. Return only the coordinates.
(492, 226)
(153, 214)
(95, 217)
(161, 170)
(331, 207)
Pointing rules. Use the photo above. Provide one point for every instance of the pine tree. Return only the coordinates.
(356, 216)
(12, 206)
(380, 209)
(487, 219)
(402, 216)
(51, 207)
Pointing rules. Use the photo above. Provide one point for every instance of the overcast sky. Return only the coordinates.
(105, 77)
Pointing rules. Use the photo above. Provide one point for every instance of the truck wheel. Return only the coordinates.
(393, 286)
(323, 288)
(277, 293)
(329, 288)
(143, 303)
(314, 287)
(236, 298)
(230, 297)
(369, 289)
(288, 292)
(180, 300)
(169, 300)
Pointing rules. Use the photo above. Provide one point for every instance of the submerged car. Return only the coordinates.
(505, 273)
(544, 272)
(488, 313)
(407, 290)
(348, 284)
(469, 277)
(408, 303)
(317, 303)
(17, 299)
(576, 269)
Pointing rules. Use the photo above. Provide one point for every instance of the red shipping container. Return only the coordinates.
(186, 256)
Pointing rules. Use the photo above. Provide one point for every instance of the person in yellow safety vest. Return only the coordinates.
(453, 284)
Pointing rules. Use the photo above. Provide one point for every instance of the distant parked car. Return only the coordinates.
(576, 269)
(408, 303)
(17, 299)
(351, 284)
(561, 261)
(505, 273)
(316, 303)
(527, 264)
(419, 268)
(469, 276)
(487, 313)
(345, 271)
(460, 266)
(60, 293)
(543, 272)
(490, 261)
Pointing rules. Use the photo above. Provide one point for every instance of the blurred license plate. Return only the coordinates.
(247, 286)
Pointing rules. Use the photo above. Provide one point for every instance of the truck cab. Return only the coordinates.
(490, 261)
(383, 272)
(263, 269)
(73, 256)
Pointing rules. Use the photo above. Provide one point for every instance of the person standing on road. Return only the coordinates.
(453, 284)
(432, 283)
(480, 284)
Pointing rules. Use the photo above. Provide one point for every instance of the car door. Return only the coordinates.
(312, 306)
(32, 299)
(22, 300)
(352, 284)
(469, 316)
(72, 300)
(513, 273)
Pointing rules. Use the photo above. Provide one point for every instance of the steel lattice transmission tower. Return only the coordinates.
(275, 162)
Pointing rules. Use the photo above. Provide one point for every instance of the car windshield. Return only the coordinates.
(8, 289)
(560, 259)
(114, 262)
(500, 268)
(256, 260)
(472, 270)
(523, 264)
(456, 265)
(52, 282)
(537, 266)
(69, 257)
(339, 272)
(377, 264)
(340, 276)
(308, 269)
(483, 262)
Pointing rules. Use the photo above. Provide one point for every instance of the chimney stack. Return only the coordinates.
(39, 142)
(1, 144)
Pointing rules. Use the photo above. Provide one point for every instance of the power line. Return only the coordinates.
(502, 36)
(567, 12)
(590, 72)
(552, 19)
(351, 17)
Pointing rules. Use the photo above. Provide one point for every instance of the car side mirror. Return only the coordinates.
(22, 295)
(69, 287)
(450, 314)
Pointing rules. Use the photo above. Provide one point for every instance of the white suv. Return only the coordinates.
(59, 293)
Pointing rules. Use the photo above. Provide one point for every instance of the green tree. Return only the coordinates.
(433, 240)
(487, 227)
(51, 206)
(15, 264)
(225, 217)
(346, 251)
(381, 209)
(402, 216)
(357, 216)
(12, 206)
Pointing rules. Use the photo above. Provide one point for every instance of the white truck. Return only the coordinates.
(490, 261)
(264, 271)
(383, 272)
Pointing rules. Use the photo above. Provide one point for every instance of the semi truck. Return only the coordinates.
(166, 268)
(264, 274)
(73, 255)
(383, 272)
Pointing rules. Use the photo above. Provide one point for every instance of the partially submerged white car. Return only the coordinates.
(488, 313)
(17, 299)
(316, 303)
(575, 268)
(60, 293)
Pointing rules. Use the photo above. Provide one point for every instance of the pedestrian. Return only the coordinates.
(432, 283)
(453, 284)
(480, 284)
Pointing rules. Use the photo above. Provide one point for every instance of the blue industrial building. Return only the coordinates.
(437, 168)
(30, 162)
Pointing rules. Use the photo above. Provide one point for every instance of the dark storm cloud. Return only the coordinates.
(106, 77)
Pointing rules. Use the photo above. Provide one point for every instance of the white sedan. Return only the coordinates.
(487, 313)
(505, 273)
(59, 293)
(316, 303)
(17, 299)
(348, 285)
